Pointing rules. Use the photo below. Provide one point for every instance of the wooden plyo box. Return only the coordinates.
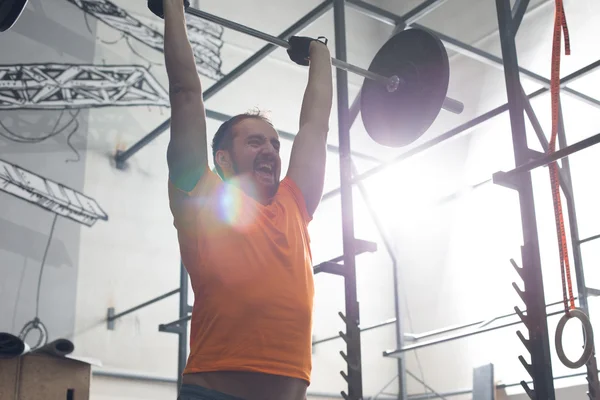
(38, 376)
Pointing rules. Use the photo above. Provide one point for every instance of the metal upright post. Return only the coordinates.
(352, 318)
(535, 320)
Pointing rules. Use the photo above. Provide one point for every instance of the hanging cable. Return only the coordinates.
(36, 323)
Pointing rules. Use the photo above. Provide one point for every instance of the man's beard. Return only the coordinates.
(265, 191)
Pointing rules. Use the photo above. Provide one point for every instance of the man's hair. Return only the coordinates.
(223, 139)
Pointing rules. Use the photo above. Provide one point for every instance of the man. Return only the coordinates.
(243, 235)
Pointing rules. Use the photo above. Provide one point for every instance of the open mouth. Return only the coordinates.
(265, 172)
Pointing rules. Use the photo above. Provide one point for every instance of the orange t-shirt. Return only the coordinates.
(250, 267)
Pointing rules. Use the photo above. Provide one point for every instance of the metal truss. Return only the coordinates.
(64, 86)
(52, 196)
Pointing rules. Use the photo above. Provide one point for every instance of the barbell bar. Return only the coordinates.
(391, 83)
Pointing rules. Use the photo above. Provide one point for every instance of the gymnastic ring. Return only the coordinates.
(588, 347)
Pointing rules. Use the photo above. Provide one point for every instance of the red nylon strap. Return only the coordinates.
(560, 27)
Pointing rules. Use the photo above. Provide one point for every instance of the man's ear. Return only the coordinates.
(222, 158)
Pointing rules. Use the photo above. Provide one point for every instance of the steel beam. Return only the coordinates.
(589, 239)
(352, 317)
(391, 18)
(313, 15)
(518, 13)
(547, 159)
(538, 342)
(482, 327)
(111, 316)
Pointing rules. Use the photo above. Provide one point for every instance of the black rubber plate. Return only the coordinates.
(10, 10)
(399, 118)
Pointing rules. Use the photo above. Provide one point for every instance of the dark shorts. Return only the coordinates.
(195, 392)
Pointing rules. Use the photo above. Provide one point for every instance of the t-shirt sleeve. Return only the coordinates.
(185, 206)
(289, 186)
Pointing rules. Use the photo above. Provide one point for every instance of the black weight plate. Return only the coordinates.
(398, 118)
(10, 11)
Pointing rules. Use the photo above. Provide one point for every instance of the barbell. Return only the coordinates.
(403, 91)
(404, 88)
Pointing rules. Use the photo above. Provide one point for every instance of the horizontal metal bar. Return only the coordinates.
(589, 239)
(422, 10)
(582, 72)
(581, 96)
(360, 247)
(366, 328)
(147, 303)
(481, 323)
(398, 352)
(290, 136)
(329, 268)
(375, 12)
(592, 291)
(164, 327)
(550, 158)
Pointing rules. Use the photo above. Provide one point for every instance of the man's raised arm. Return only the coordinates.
(187, 152)
(309, 151)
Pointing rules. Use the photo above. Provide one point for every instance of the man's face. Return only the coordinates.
(255, 159)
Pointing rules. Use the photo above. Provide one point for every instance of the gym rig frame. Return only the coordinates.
(518, 104)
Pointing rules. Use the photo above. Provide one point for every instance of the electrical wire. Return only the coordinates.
(19, 138)
(36, 323)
